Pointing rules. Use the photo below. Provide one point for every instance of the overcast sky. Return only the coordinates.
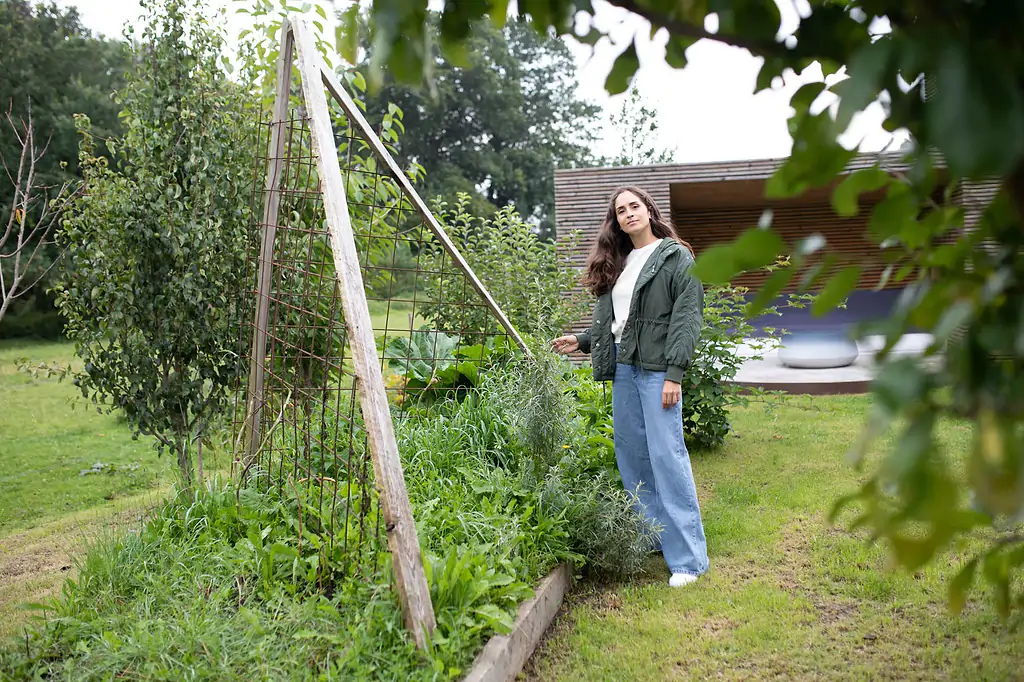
(707, 111)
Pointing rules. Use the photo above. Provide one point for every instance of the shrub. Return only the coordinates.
(707, 388)
(526, 276)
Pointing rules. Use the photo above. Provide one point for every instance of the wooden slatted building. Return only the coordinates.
(712, 203)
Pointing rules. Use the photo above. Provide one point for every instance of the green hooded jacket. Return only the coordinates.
(665, 318)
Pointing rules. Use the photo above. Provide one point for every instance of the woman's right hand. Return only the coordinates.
(566, 344)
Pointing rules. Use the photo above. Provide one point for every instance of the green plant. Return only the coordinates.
(156, 243)
(545, 413)
(429, 365)
(527, 277)
(952, 76)
(708, 389)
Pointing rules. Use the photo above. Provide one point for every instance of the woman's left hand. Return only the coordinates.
(671, 394)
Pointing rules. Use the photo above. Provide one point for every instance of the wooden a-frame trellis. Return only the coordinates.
(298, 49)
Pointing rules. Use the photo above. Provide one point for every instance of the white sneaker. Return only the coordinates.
(681, 580)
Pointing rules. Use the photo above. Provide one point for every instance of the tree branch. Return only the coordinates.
(31, 236)
(683, 28)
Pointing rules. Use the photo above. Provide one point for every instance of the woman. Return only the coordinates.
(645, 326)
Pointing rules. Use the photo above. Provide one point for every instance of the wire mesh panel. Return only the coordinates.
(433, 326)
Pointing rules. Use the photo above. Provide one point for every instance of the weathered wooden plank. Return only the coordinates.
(505, 655)
(352, 111)
(410, 577)
(271, 206)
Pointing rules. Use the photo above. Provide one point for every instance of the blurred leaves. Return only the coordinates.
(963, 285)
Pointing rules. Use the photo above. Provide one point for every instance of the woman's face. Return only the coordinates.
(632, 214)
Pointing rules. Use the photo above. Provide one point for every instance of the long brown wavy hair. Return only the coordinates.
(608, 257)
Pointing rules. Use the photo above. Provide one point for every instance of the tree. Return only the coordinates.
(964, 282)
(156, 244)
(496, 122)
(635, 127)
(32, 216)
(51, 67)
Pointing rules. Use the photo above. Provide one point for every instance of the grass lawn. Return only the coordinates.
(50, 435)
(48, 509)
(787, 597)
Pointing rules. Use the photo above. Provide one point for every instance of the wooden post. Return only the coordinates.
(272, 202)
(401, 528)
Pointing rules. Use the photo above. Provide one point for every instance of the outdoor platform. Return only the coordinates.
(771, 374)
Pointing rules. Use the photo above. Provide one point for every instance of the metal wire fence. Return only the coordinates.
(435, 330)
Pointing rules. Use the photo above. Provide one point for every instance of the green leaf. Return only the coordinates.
(837, 289)
(675, 52)
(347, 33)
(954, 317)
(756, 248)
(770, 290)
(893, 214)
(898, 383)
(622, 71)
(912, 553)
(772, 68)
(976, 114)
(868, 68)
(804, 97)
(914, 444)
(716, 265)
(845, 196)
(960, 586)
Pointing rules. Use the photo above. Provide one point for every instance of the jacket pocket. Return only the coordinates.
(652, 335)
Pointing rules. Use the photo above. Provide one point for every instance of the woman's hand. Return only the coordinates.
(566, 344)
(671, 394)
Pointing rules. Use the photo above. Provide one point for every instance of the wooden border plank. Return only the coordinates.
(505, 655)
(406, 559)
(271, 206)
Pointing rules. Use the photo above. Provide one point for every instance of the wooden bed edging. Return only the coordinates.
(505, 655)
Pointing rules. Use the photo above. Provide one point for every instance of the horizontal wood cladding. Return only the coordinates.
(848, 237)
(713, 202)
(975, 197)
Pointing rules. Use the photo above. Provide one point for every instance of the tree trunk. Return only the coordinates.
(185, 464)
(199, 461)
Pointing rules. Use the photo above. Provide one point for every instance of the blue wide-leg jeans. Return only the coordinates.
(652, 455)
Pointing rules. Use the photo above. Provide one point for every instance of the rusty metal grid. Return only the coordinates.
(434, 333)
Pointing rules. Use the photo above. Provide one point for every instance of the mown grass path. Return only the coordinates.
(788, 597)
(49, 435)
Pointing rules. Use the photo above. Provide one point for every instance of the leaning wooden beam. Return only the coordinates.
(272, 202)
(352, 111)
(410, 577)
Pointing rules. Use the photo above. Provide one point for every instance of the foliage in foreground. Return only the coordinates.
(227, 585)
(953, 78)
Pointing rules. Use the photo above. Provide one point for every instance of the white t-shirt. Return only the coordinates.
(622, 292)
